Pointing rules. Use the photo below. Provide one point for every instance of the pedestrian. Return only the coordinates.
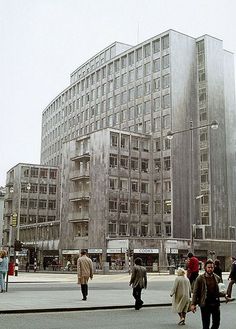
(232, 278)
(3, 269)
(68, 265)
(138, 281)
(84, 272)
(192, 268)
(218, 270)
(181, 293)
(27, 267)
(206, 295)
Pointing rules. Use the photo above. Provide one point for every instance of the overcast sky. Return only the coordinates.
(43, 41)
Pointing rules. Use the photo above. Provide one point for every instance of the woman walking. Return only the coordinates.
(181, 293)
(3, 269)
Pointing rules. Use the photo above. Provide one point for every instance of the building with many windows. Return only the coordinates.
(125, 184)
(32, 210)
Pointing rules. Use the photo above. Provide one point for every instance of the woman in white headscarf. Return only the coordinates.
(181, 293)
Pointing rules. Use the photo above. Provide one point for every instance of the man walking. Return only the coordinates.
(84, 272)
(192, 268)
(232, 278)
(206, 295)
(138, 281)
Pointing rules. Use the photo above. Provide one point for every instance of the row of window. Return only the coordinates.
(136, 186)
(33, 219)
(139, 207)
(38, 188)
(38, 204)
(43, 233)
(39, 172)
(139, 229)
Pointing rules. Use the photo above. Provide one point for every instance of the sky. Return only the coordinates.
(43, 41)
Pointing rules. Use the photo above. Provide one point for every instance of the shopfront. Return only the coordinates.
(150, 258)
(96, 256)
(116, 258)
(71, 255)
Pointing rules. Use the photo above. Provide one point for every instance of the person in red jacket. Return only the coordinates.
(192, 268)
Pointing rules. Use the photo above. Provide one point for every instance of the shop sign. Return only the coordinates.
(146, 251)
(70, 252)
(115, 244)
(94, 251)
(114, 251)
(171, 251)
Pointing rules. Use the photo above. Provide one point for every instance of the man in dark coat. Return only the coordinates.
(138, 281)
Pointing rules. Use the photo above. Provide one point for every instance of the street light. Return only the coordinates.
(170, 134)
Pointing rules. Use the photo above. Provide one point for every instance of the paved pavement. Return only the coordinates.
(41, 292)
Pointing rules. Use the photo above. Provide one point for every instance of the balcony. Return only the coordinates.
(80, 195)
(75, 156)
(79, 216)
(79, 174)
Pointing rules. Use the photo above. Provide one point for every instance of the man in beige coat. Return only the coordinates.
(84, 272)
(138, 281)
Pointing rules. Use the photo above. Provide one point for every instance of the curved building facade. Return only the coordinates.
(169, 82)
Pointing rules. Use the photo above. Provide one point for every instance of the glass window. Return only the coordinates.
(166, 81)
(156, 46)
(113, 160)
(147, 50)
(147, 68)
(156, 65)
(139, 54)
(134, 164)
(165, 61)
(167, 163)
(112, 205)
(124, 162)
(144, 165)
(165, 42)
(131, 58)
(166, 101)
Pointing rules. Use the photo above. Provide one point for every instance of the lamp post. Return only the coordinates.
(213, 125)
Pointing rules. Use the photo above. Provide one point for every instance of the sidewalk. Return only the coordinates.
(45, 297)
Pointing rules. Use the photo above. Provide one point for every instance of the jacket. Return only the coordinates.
(84, 269)
(200, 290)
(4, 265)
(138, 277)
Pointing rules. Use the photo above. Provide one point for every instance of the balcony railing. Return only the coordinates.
(80, 195)
(79, 174)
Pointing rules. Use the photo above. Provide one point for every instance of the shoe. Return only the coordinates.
(229, 299)
(85, 298)
(181, 322)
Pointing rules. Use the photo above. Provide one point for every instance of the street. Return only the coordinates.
(151, 318)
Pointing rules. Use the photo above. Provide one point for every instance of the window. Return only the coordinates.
(124, 79)
(203, 136)
(165, 42)
(113, 183)
(201, 75)
(139, 91)
(53, 174)
(124, 162)
(134, 207)
(204, 156)
(134, 164)
(112, 228)
(165, 61)
(23, 203)
(147, 69)
(131, 58)
(157, 207)
(145, 144)
(156, 84)
(117, 82)
(114, 140)
(167, 186)
(167, 163)
(113, 160)
(134, 186)
(167, 206)
(139, 54)
(147, 50)
(135, 143)
(203, 116)
(133, 229)
(52, 204)
(139, 72)
(123, 184)
(157, 144)
(158, 229)
(43, 173)
(33, 203)
(166, 144)
(117, 65)
(156, 104)
(144, 229)
(124, 142)
(157, 187)
(156, 46)
(144, 187)
(131, 75)
(131, 94)
(43, 188)
(147, 107)
(166, 81)
(42, 204)
(156, 65)
(123, 62)
(166, 101)
(147, 88)
(123, 229)
(166, 121)
(112, 205)
(34, 172)
(144, 165)
(80, 229)
(124, 207)
(157, 165)
(52, 189)
(168, 229)
(144, 208)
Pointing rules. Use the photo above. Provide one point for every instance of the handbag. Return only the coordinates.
(222, 289)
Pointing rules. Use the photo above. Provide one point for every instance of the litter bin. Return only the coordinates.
(11, 268)
(172, 270)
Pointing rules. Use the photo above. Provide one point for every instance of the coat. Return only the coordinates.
(138, 277)
(200, 290)
(84, 269)
(181, 293)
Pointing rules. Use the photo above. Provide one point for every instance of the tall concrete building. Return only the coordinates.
(32, 211)
(125, 184)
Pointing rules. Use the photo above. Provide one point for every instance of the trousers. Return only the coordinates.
(207, 311)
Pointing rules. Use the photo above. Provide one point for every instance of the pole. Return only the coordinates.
(191, 190)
